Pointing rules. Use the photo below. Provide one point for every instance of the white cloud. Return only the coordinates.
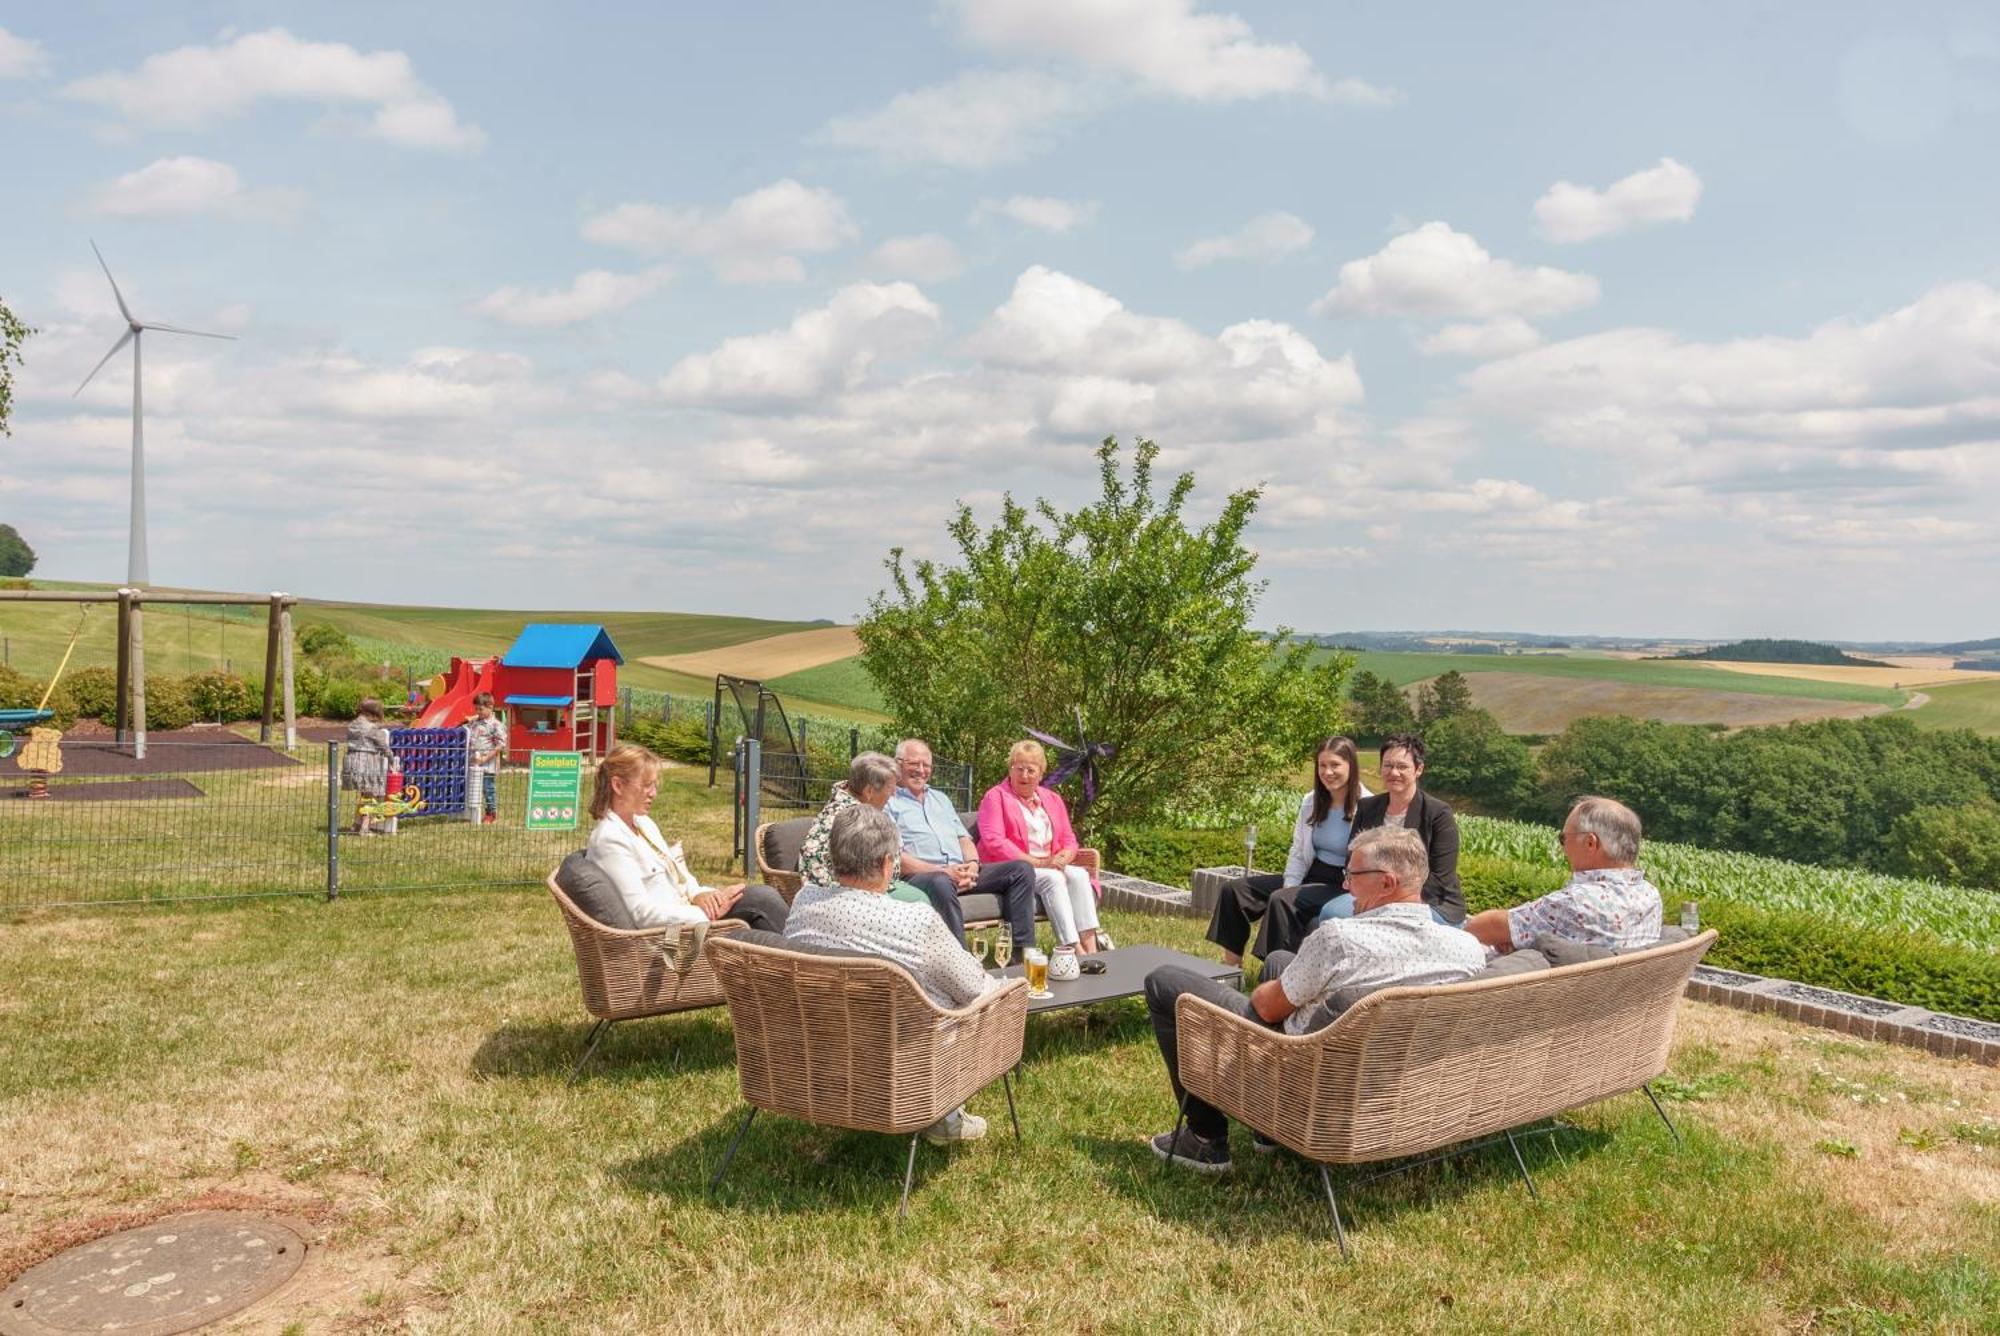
(1268, 236)
(756, 238)
(1040, 212)
(22, 57)
(927, 258)
(1436, 271)
(595, 292)
(827, 348)
(1667, 193)
(1492, 338)
(1164, 44)
(185, 186)
(979, 119)
(193, 86)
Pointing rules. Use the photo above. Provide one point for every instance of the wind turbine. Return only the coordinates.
(135, 550)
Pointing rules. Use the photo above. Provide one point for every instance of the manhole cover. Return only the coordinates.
(173, 1275)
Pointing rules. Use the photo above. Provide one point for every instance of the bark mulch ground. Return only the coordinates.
(89, 748)
(113, 791)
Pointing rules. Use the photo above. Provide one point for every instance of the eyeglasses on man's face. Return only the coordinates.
(1356, 872)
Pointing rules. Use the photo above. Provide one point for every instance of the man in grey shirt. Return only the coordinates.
(856, 914)
(1392, 939)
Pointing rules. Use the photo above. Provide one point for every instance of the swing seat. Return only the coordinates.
(13, 721)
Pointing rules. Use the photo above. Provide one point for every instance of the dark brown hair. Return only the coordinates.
(628, 760)
(1409, 742)
(1350, 792)
(369, 709)
(483, 701)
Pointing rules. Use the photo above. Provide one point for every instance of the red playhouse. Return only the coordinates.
(558, 685)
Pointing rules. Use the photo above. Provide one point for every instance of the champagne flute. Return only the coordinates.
(1003, 949)
(975, 942)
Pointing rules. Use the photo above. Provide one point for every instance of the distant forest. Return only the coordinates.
(1780, 651)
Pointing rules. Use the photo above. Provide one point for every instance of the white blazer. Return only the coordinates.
(1301, 856)
(651, 875)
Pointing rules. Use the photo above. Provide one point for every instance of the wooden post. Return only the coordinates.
(138, 676)
(124, 707)
(285, 639)
(270, 667)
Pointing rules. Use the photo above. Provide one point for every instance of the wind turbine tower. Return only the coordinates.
(135, 552)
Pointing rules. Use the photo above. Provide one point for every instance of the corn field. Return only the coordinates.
(1956, 914)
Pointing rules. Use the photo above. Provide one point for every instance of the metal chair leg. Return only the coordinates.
(1333, 1205)
(590, 1042)
(1007, 1085)
(734, 1142)
(909, 1174)
(1167, 1165)
(1647, 1087)
(1522, 1165)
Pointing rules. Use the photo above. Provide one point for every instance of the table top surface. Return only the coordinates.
(1124, 976)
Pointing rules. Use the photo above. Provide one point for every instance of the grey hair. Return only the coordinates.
(870, 770)
(907, 743)
(1401, 852)
(1615, 825)
(862, 837)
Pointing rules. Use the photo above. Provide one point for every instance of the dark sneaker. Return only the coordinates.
(1204, 1157)
(1263, 1145)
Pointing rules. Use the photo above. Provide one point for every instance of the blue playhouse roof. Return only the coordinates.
(543, 702)
(560, 645)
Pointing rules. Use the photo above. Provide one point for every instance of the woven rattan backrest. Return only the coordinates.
(625, 973)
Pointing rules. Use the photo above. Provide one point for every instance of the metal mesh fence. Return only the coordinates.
(803, 794)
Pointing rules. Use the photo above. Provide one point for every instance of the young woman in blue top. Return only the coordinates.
(1316, 864)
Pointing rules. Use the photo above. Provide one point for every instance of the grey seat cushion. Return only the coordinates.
(592, 892)
(1564, 951)
(783, 841)
(1515, 962)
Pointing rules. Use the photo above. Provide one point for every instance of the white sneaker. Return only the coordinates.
(957, 1125)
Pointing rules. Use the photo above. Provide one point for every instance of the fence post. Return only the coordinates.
(802, 737)
(967, 787)
(714, 744)
(853, 743)
(625, 701)
(753, 769)
(736, 799)
(332, 819)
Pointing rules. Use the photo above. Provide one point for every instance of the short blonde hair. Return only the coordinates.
(628, 760)
(1031, 750)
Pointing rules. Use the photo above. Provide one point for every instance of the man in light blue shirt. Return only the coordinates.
(940, 859)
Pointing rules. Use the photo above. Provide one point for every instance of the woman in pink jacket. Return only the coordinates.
(1018, 818)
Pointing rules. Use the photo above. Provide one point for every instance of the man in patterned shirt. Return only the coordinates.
(1608, 901)
(856, 914)
(1392, 939)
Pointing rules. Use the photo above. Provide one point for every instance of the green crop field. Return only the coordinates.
(1973, 705)
(840, 683)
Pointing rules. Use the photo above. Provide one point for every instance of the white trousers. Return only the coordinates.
(1070, 901)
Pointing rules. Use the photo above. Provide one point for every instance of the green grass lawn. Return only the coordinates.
(1973, 705)
(1403, 669)
(394, 1068)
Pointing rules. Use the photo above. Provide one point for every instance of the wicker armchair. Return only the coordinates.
(626, 974)
(851, 1041)
(1411, 1070)
(769, 842)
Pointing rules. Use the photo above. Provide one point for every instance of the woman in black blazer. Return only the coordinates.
(1402, 803)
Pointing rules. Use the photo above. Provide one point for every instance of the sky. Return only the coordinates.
(1667, 319)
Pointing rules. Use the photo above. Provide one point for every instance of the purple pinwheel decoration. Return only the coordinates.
(1077, 758)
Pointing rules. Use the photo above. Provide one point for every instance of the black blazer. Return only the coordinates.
(1434, 824)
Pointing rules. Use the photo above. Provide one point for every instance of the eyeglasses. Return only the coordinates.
(1350, 874)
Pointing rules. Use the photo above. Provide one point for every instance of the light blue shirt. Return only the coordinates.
(928, 827)
(1329, 837)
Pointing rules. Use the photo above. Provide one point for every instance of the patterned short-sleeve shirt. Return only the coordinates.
(815, 861)
(1612, 906)
(483, 736)
(911, 935)
(1344, 960)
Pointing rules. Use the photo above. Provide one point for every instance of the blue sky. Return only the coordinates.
(1672, 319)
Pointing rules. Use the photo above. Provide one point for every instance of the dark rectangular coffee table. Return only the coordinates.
(1124, 976)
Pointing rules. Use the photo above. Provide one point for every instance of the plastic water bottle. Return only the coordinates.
(1690, 916)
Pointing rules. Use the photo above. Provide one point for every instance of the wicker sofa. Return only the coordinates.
(778, 844)
(1407, 1071)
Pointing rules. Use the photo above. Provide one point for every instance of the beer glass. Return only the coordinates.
(1036, 966)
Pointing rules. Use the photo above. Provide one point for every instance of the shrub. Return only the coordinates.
(95, 691)
(223, 698)
(1960, 845)
(168, 703)
(18, 691)
(681, 739)
(1170, 856)
(339, 699)
(1471, 755)
(321, 641)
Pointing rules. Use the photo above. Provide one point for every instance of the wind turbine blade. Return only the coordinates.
(115, 349)
(176, 329)
(123, 309)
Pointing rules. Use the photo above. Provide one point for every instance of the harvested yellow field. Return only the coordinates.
(773, 656)
(1916, 671)
(1534, 703)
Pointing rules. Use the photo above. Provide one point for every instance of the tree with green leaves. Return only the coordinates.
(13, 333)
(1471, 756)
(1379, 707)
(16, 557)
(1121, 614)
(1443, 697)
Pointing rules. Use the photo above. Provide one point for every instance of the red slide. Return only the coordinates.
(465, 679)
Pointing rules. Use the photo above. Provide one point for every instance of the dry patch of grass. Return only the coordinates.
(1900, 673)
(773, 656)
(1534, 703)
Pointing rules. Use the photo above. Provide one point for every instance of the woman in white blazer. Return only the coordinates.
(1317, 861)
(651, 875)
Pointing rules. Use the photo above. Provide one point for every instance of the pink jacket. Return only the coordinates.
(1003, 829)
